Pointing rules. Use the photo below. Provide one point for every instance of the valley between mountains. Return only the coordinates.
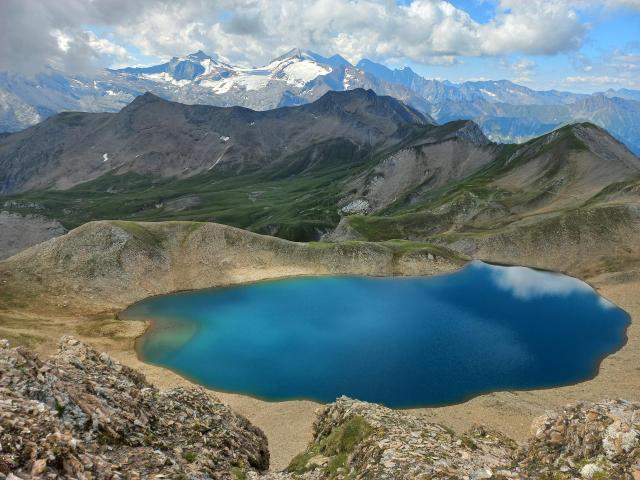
(351, 165)
(162, 197)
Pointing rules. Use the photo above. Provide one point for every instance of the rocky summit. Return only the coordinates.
(83, 415)
(360, 440)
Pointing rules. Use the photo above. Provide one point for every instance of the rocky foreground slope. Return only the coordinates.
(82, 415)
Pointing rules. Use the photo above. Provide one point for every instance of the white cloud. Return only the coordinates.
(625, 62)
(592, 79)
(104, 46)
(603, 81)
(532, 27)
(36, 33)
(62, 40)
(603, 4)
(424, 31)
(522, 69)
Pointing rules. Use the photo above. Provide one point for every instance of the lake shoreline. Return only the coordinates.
(432, 328)
(288, 424)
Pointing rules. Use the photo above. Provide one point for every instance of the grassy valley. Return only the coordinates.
(296, 208)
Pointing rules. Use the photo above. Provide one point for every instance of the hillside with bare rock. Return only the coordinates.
(83, 415)
(168, 139)
(565, 201)
(105, 266)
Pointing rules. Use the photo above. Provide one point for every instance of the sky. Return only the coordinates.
(576, 45)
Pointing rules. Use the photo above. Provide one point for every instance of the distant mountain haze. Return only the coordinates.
(505, 111)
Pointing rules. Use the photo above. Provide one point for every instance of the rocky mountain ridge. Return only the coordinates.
(168, 139)
(295, 78)
(552, 194)
(351, 160)
(507, 112)
(83, 415)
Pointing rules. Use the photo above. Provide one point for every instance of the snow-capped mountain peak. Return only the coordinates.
(299, 53)
(506, 111)
(199, 56)
(298, 67)
(295, 69)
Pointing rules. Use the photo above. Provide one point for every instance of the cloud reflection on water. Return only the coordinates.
(526, 283)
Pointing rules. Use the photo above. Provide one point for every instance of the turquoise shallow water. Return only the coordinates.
(398, 341)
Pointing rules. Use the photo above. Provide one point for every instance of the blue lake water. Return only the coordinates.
(402, 341)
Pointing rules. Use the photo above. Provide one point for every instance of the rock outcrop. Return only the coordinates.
(354, 439)
(586, 440)
(83, 415)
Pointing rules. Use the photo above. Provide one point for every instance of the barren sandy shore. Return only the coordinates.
(288, 424)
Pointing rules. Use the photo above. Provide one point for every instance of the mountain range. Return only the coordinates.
(388, 191)
(505, 111)
(351, 165)
(152, 136)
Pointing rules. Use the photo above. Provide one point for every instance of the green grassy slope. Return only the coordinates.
(292, 207)
(485, 201)
(298, 199)
(295, 199)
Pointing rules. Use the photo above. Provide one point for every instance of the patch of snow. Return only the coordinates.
(105, 157)
(208, 65)
(303, 71)
(346, 82)
(487, 92)
(224, 139)
(218, 86)
(253, 81)
(248, 80)
(165, 77)
(292, 71)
